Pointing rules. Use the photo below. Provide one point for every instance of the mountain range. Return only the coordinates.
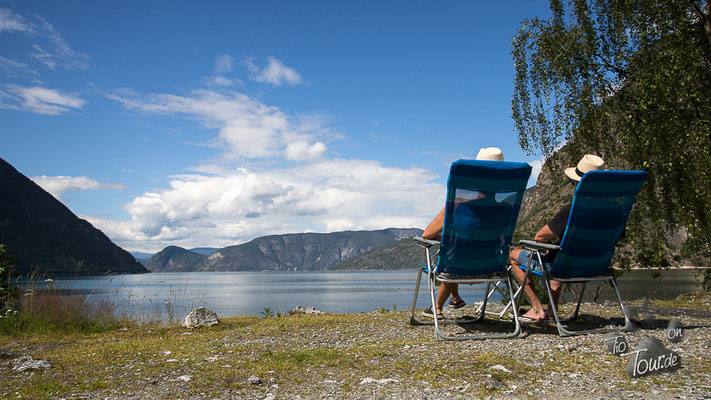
(289, 252)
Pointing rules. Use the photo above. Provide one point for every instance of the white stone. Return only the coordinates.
(366, 381)
(185, 378)
(200, 317)
(501, 368)
(26, 363)
(305, 310)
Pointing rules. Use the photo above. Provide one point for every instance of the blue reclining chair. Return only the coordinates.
(482, 206)
(601, 204)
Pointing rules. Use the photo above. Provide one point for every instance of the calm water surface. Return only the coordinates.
(249, 293)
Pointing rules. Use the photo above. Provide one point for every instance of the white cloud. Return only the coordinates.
(220, 80)
(302, 151)
(58, 185)
(275, 73)
(247, 127)
(12, 67)
(38, 100)
(537, 166)
(324, 196)
(223, 63)
(57, 49)
(50, 47)
(223, 203)
(12, 22)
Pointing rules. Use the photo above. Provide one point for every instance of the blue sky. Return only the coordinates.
(211, 124)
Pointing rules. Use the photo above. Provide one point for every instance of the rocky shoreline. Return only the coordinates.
(374, 355)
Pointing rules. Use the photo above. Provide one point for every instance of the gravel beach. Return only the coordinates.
(374, 355)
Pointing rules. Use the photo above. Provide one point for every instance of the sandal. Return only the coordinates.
(455, 306)
(428, 313)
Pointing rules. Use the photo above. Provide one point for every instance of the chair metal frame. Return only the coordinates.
(432, 279)
(476, 242)
(637, 178)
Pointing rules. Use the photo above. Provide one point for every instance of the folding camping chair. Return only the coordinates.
(601, 204)
(483, 201)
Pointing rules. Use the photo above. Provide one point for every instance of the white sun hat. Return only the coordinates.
(490, 154)
(588, 163)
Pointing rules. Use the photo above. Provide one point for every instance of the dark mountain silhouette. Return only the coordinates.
(45, 237)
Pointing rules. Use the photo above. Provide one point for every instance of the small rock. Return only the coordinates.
(305, 310)
(366, 381)
(185, 378)
(26, 363)
(500, 368)
(270, 396)
(167, 353)
(200, 317)
(254, 380)
(172, 360)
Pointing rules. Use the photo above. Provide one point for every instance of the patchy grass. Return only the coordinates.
(688, 300)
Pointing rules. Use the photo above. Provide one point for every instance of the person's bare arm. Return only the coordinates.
(545, 235)
(434, 229)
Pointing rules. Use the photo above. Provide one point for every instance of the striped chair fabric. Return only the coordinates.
(601, 204)
(483, 202)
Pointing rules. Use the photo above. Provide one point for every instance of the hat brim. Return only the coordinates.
(571, 174)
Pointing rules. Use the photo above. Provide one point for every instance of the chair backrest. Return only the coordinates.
(601, 204)
(483, 201)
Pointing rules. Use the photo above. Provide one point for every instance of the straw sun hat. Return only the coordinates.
(588, 163)
(490, 154)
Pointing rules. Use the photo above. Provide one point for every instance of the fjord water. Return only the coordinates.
(251, 293)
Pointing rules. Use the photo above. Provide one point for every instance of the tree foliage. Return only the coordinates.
(631, 81)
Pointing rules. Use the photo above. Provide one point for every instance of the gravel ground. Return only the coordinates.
(378, 355)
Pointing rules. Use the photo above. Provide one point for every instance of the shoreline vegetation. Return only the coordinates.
(90, 353)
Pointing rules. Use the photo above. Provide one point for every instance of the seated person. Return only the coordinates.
(434, 232)
(554, 228)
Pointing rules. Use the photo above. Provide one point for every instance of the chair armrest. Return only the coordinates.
(533, 245)
(425, 242)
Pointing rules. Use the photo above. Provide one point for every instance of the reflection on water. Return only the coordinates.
(249, 293)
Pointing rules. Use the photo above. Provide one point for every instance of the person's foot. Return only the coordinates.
(531, 315)
(457, 305)
(428, 313)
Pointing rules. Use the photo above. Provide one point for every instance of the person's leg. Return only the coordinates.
(443, 292)
(516, 258)
(456, 299)
(556, 287)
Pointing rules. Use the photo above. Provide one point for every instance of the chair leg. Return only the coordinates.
(629, 326)
(496, 288)
(442, 336)
(425, 261)
(577, 307)
(413, 321)
(563, 331)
